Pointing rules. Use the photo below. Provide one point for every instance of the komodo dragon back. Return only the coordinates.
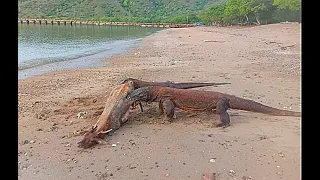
(185, 85)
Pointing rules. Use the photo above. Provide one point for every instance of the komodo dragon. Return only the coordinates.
(116, 111)
(198, 101)
(186, 85)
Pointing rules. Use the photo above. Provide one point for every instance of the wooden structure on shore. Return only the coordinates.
(78, 22)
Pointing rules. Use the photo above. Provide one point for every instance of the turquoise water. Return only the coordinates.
(45, 48)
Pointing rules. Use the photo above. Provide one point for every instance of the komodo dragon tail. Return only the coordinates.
(185, 85)
(193, 85)
(249, 105)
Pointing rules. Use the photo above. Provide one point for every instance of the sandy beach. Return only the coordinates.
(262, 63)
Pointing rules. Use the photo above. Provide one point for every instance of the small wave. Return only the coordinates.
(114, 46)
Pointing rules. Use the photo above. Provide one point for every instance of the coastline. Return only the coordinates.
(262, 63)
(93, 60)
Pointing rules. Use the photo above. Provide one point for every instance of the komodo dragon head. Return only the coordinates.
(140, 94)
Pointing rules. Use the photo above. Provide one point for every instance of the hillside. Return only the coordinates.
(150, 10)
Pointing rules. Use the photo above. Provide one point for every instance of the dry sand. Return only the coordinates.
(262, 63)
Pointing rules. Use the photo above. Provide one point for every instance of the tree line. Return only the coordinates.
(239, 12)
(252, 12)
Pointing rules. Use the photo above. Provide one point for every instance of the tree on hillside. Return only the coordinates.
(287, 10)
(288, 4)
(238, 9)
(214, 14)
(259, 7)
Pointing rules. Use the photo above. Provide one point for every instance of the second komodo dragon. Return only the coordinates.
(198, 101)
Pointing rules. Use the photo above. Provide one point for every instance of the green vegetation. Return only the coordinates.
(252, 12)
(173, 11)
(288, 4)
(213, 14)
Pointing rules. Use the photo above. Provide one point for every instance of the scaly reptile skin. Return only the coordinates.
(186, 85)
(198, 101)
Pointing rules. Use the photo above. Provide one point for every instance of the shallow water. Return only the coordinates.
(45, 48)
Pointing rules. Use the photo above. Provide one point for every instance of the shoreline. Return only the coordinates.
(262, 63)
(82, 62)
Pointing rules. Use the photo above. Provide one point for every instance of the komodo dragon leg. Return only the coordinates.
(221, 109)
(167, 107)
(134, 104)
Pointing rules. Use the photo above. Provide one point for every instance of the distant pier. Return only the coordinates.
(101, 23)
